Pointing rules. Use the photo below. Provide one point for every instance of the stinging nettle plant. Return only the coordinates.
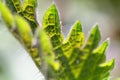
(56, 57)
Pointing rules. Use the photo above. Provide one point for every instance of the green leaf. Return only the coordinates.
(11, 6)
(77, 62)
(28, 12)
(75, 39)
(24, 30)
(46, 46)
(45, 42)
(51, 24)
(93, 39)
(101, 51)
(32, 2)
(102, 72)
(76, 36)
(17, 5)
(26, 36)
(6, 15)
(69, 59)
(92, 61)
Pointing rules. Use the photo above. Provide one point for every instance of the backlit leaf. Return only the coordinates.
(6, 15)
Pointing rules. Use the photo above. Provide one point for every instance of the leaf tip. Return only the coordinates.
(77, 25)
(97, 30)
(78, 22)
(96, 26)
(107, 41)
(112, 63)
(52, 6)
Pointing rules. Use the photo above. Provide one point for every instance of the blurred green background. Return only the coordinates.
(16, 64)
